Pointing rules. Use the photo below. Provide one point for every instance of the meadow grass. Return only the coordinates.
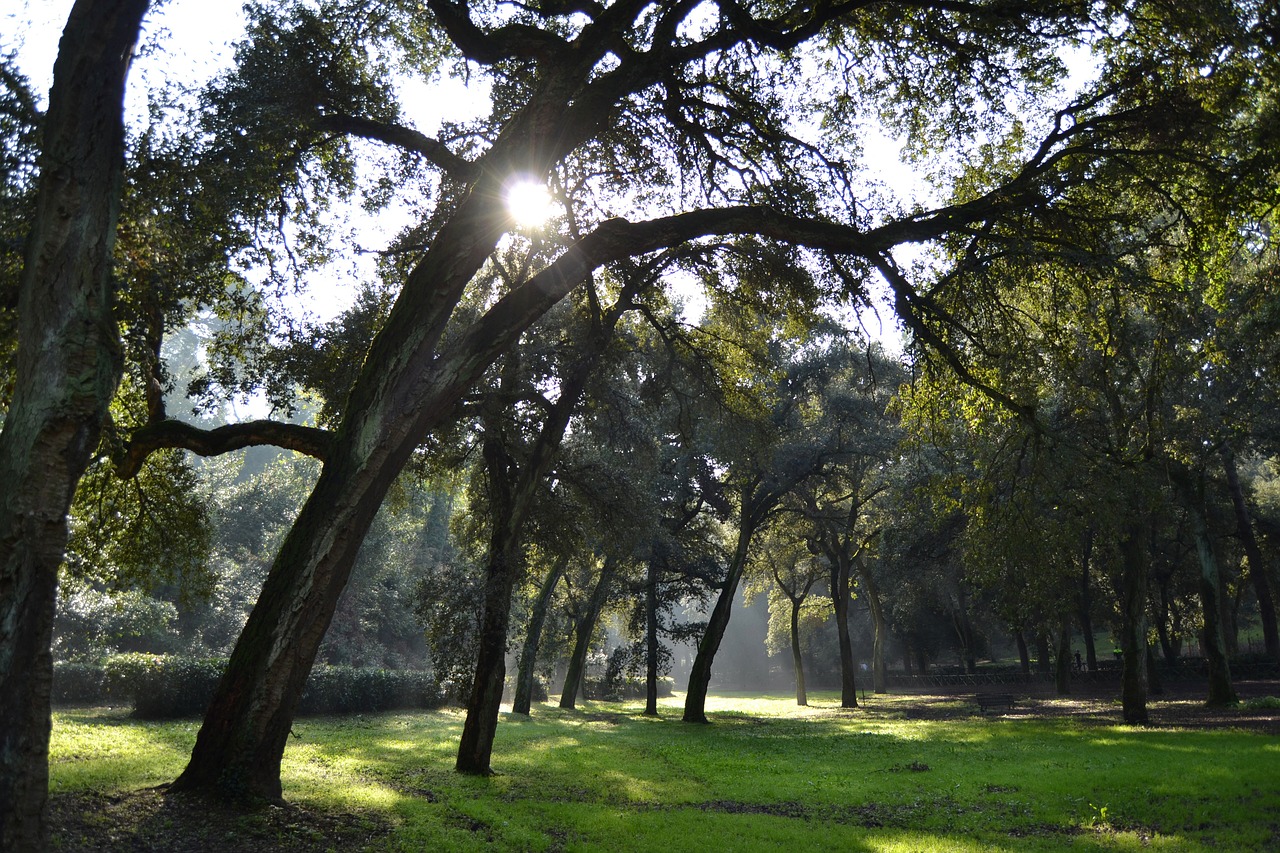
(765, 775)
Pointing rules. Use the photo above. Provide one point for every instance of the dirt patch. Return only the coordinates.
(148, 820)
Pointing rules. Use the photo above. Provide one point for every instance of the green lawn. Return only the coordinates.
(765, 775)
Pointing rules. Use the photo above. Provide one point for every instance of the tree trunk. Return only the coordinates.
(529, 651)
(879, 681)
(1133, 612)
(1221, 691)
(695, 704)
(68, 366)
(1044, 665)
(586, 627)
(1086, 604)
(652, 650)
(475, 748)
(1257, 569)
(1170, 646)
(840, 600)
(1024, 655)
(1062, 669)
(802, 697)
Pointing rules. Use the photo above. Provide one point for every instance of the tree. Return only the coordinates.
(67, 369)
(592, 100)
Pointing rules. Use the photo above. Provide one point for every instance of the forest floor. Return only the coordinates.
(147, 819)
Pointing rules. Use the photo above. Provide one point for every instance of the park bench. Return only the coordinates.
(990, 702)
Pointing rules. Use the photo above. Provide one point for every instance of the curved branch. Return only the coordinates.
(513, 41)
(402, 137)
(214, 442)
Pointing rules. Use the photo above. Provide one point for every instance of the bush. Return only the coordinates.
(77, 683)
(161, 686)
(348, 689)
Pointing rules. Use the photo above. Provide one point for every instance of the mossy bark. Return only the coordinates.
(68, 367)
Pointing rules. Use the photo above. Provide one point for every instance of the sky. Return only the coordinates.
(190, 41)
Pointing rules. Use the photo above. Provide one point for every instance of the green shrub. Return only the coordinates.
(347, 690)
(76, 683)
(161, 686)
(1263, 703)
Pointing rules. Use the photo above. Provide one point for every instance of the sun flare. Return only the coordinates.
(529, 203)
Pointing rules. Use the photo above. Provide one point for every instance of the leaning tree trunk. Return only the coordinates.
(1133, 615)
(1257, 569)
(695, 703)
(840, 599)
(529, 651)
(1024, 655)
(586, 627)
(68, 367)
(652, 650)
(1221, 691)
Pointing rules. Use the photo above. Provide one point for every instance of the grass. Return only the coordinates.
(765, 775)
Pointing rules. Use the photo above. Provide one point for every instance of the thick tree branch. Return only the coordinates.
(402, 137)
(214, 442)
(513, 41)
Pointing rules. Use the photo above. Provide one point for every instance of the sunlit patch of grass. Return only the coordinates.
(765, 775)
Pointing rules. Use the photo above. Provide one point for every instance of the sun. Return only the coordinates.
(529, 203)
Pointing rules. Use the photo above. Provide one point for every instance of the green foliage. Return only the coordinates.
(167, 686)
(151, 530)
(90, 623)
(79, 682)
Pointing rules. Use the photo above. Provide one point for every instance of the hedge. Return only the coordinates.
(161, 686)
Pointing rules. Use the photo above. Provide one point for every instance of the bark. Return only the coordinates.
(213, 442)
(695, 704)
(840, 600)
(1062, 667)
(1086, 605)
(533, 636)
(68, 367)
(585, 628)
(1133, 614)
(1024, 655)
(796, 594)
(652, 650)
(964, 630)
(1221, 691)
(802, 697)
(1043, 664)
(475, 747)
(880, 624)
(1257, 569)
